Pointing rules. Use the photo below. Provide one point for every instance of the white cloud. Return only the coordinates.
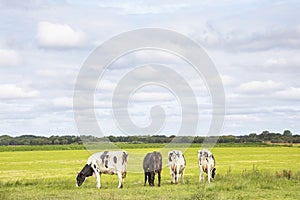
(65, 102)
(261, 87)
(227, 80)
(247, 39)
(57, 73)
(106, 85)
(152, 96)
(13, 91)
(287, 62)
(59, 35)
(9, 57)
(289, 94)
(276, 61)
(143, 7)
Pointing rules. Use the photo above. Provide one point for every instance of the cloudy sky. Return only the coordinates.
(255, 46)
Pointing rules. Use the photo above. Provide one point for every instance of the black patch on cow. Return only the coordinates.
(199, 156)
(214, 169)
(200, 159)
(123, 175)
(213, 159)
(106, 163)
(184, 160)
(102, 157)
(95, 166)
(87, 170)
(124, 157)
(213, 173)
(170, 156)
(207, 160)
(115, 159)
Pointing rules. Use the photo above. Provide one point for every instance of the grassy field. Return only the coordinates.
(242, 173)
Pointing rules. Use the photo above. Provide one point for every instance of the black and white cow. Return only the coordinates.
(152, 165)
(107, 162)
(206, 163)
(177, 165)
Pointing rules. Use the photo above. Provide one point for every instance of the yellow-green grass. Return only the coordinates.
(242, 173)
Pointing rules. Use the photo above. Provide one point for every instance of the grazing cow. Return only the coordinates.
(152, 164)
(206, 163)
(107, 162)
(177, 165)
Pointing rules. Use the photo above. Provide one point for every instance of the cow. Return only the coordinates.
(206, 163)
(152, 165)
(107, 162)
(177, 163)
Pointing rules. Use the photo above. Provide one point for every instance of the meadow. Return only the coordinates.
(258, 172)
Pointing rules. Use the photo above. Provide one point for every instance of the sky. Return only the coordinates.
(254, 46)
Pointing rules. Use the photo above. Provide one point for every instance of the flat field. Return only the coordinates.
(242, 173)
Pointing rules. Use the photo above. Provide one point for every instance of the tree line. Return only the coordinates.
(264, 137)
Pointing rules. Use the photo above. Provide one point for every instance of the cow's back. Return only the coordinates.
(110, 161)
(152, 162)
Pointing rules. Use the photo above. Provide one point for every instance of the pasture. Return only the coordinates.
(242, 173)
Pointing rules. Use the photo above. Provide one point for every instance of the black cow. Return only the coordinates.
(152, 164)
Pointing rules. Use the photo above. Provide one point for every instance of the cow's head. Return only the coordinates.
(85, 172)
(173, 156)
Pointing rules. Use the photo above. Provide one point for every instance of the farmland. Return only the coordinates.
(242, 173)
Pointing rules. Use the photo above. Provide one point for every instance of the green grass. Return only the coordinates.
(120, 145)
(41, 147)
(242, 173)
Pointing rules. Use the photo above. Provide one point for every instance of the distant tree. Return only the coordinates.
(296, 138)
(5, 139)
(252, 135)
(286, 137)
(287, 133)
(198, 139)
(56, 141)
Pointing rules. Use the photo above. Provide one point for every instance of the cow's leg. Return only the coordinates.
(208, 173)
(152, 178)
(177, 174)
(98, 180)
(201, 176)
(182, 176)
(149, 177)
(146, 174)
(159, 178)
(123, 177)
(171, 175)
(120, 180)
